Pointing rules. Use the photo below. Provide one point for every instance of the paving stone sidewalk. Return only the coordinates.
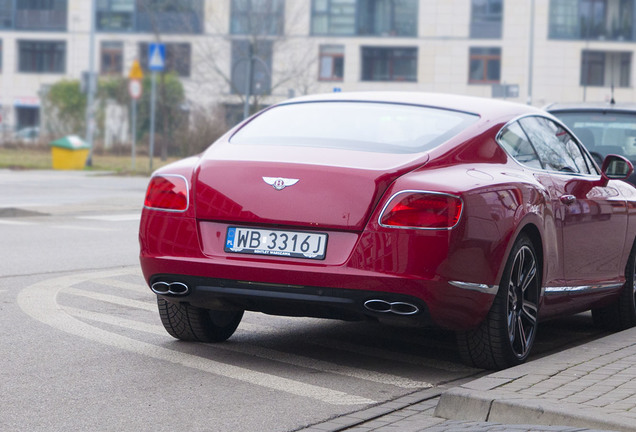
(589, 388)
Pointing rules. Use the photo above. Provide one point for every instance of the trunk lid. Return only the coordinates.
(295, 186)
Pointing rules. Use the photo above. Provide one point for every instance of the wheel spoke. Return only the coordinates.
(529, 312)
(523, 337)
(519, 265)
(529, 276)
(512, 324)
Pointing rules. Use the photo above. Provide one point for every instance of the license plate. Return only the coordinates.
(294, 244)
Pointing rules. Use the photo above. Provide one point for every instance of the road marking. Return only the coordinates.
(110, 282)
(108, 298)
(113, 218)
(147, 306)
(82, 228)
(262, 352)
(387, 355)
(40, 302)
(253, 328)
(12, 222)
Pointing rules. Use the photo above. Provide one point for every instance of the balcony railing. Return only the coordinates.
(40, 19)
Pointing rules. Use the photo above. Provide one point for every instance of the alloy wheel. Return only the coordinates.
(522, 302)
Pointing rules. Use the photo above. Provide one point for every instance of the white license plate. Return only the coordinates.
(295, 244)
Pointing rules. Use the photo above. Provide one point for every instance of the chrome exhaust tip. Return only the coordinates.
(170, 288)
(397, 308)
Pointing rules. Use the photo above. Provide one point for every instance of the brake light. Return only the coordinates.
(425, 210)
(167, 192)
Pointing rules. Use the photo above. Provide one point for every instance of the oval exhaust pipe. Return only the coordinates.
(170, 288)
(397, 308)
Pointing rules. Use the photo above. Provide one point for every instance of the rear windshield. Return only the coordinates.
(374, 127)
(603, 132)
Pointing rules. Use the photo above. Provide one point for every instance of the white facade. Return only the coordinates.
(442, 43)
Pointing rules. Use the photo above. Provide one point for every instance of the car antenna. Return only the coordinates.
(612, 101)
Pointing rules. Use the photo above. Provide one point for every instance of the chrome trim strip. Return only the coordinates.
(187, 194)
(419, 228)
(581, 288)
(488, 289)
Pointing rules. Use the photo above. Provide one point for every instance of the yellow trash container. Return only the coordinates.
(69, 153)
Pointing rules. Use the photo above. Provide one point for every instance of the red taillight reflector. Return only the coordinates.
(422, 210)
(167, 192)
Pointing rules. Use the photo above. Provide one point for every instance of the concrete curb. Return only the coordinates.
(590, 386)
(509, 408)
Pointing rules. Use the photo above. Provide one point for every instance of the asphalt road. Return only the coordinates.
(82, 346)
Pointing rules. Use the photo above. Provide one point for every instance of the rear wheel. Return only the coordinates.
(621, 314)
(505, 338)
(190, 323)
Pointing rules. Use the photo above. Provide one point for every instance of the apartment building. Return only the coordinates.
(530, 51)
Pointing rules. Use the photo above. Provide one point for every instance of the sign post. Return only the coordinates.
(134, 89)
(156, 62)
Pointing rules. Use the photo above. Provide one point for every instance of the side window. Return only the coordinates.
(514, 140)
(579, 156)
(556, 148)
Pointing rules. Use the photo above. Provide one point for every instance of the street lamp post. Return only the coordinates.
(531, 53)
(90, 100)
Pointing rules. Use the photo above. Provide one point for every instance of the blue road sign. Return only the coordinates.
(156, 56)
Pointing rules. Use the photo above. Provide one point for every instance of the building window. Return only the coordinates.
(605, 69)
(592, 19)
(115, 15)
(27, 117)
(331, 63)
(389, 64)
(625, 70)
(364, 17)
(47, 15)
(112, 56)
(153, 16)
(42, 56)
(484, 66)
(258, 17)
(564, 19)
(333, 17)
(260, 55)
(161, 16)
(177, 59)
(6, 14)
(486, 19)
(387, 17)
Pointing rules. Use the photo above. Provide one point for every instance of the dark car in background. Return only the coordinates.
(604, 128)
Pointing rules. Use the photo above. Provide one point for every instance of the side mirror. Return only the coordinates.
(616, 167)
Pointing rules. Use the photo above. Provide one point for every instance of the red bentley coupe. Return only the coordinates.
(475, 215)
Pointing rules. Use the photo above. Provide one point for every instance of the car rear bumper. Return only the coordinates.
(289, 300)
(370, 266)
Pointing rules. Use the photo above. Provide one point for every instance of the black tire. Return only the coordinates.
(505, 338)
(189, 323)
(621, 314)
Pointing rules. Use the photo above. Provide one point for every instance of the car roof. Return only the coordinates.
(484, 107)
(592, 106)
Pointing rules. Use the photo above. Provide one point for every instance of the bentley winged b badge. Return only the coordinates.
(280, 183)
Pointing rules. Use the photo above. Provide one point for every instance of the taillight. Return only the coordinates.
(167, 192)
(424, 210)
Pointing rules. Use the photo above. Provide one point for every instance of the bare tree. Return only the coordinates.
(265, 53)
(230, 60)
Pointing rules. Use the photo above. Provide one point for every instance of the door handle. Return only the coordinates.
(567, 199)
